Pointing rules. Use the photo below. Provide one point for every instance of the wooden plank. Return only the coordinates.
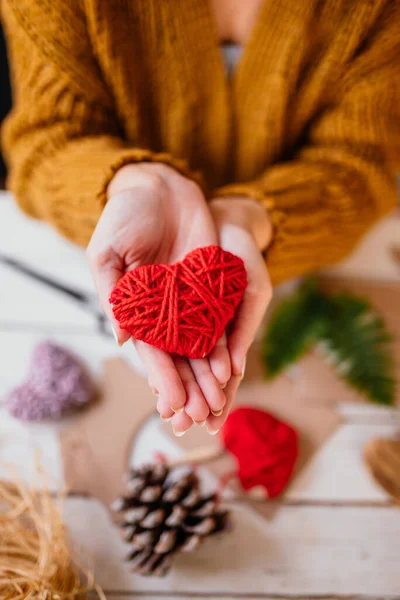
(303, 551)
(365, 413)
(234, 596)
(23, 447)
(335, 475)
(26, 304)
(16, 347)
(37, 244)
(374, 257)
(20, 442)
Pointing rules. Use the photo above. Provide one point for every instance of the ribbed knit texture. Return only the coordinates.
(309, 124)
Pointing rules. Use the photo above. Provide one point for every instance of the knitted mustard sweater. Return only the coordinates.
(309, 126)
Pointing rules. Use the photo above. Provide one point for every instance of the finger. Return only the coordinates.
(256, 297)
(196, 406)
(181, 423)
(214, 424)
(166, 413)
(163, 377)
(106, 268)
(220, 361)
(247, 321)
(251, 311)
(208, 384)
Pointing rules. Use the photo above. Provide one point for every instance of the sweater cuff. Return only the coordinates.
(301, 237)
(253, 190)
(277, 216)
(137, 155)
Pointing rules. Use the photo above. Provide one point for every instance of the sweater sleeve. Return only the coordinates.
(62, 140)
(343, 178)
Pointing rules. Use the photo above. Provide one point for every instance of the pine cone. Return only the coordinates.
(164, 513)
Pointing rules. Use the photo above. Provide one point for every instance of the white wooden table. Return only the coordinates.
(337, 534)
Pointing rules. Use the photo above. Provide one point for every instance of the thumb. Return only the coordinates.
(106, 269)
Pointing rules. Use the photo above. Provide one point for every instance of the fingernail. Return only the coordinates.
(201, 423)
(178, 411)
(217, 413)
(116, 338)
(115, 335)
(212, 431)
(258, 492)
(165, 419)
(179, 433)
(244, 367)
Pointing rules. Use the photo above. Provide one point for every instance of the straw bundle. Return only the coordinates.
(36, 560)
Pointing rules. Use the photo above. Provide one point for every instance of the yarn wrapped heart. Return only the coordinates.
(182, 308)
(266, 449)
(56, 384)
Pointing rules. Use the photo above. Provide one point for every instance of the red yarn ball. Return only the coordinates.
(266, 449)
(182, 308)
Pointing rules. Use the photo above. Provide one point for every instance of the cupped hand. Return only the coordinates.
(244, 229)
(155, 215)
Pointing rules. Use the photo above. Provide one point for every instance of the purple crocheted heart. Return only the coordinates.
(56, 383)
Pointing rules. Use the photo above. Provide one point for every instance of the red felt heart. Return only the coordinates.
(266, 449)
(182, 308)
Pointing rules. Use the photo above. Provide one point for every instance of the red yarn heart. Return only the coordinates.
(182, 308)
(266, 449)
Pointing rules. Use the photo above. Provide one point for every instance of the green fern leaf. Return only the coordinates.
(297, 323)
(353, 337)
(358, 346)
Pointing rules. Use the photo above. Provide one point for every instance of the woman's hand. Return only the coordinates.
(155, 215)
(244, 229)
